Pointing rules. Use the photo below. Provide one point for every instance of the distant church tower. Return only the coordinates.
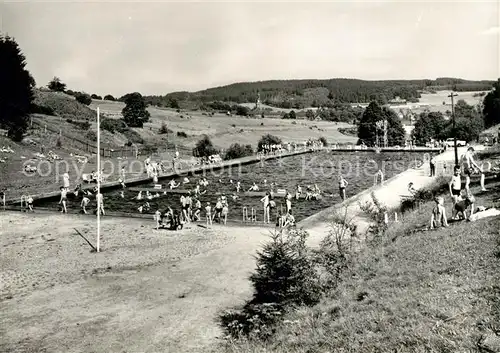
(258, 102)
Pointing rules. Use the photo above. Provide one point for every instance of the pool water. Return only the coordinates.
(321, 168)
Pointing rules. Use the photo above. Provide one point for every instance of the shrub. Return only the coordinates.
(285, 276)
(91, 135)
(113, 125)
(333, 255)
(323, 141)
(268, 140)
(182, 134)
(58, 142)
(204, 147)
(42, 109)
(376, 212)
(128, 143)
(83, 98)
(84, 125)
(424, 195)
(238, 151)
(133, 136)
(164, 129)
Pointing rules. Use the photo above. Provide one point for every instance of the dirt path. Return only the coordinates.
(129, 298)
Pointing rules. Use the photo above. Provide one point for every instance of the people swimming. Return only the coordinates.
(254, 187)
(203, 182)
(172, 184)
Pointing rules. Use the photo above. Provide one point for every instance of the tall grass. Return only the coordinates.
(424, 291)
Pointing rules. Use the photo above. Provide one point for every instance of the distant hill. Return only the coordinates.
(298, 94)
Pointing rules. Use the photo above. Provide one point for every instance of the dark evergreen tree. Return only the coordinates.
(204, 147)
(16, 89)
(491, 106)
(367, 128)
(135, 113)
(109, 97)
(56, 85)
(396, 134)
(285, 274)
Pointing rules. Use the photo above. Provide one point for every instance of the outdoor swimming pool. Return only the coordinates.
(321, 168)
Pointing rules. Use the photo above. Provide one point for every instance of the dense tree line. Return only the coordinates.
(298, 94)
(433, 125)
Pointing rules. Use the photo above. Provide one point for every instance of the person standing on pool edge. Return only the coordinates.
(432, 164)
(265, 200)
(342, 186)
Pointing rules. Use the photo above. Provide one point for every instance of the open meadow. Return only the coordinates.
(225, 130)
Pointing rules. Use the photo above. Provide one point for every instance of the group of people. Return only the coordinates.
(463, 201)
(191, 210)
(85, 197)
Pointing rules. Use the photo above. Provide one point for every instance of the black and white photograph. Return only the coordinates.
(249, 176)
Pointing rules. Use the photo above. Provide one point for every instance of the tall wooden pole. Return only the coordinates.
(98, 182)
(454, 126)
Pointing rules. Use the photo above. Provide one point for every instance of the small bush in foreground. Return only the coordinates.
(285, 276)
(333, 255)
(181, 134)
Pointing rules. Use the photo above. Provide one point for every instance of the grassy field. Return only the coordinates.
(225, 130)
(429, 291)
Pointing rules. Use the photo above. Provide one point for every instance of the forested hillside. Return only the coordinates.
(298, 94)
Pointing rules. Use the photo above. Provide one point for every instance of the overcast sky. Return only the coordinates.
(159, 47)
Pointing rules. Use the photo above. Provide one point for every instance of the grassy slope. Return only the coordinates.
(435, 291)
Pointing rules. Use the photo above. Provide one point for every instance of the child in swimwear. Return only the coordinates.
(157, 218)
(455, 184)
(197, 210)
(29, 201)
(208, 213)
(464, 204)
(225, 211)
(84, 204)
(439, 214)
(63, 199)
